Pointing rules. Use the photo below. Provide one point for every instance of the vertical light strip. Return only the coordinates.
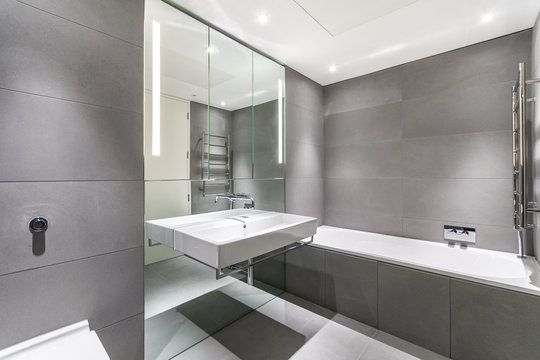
(156, 88)
(280, 122)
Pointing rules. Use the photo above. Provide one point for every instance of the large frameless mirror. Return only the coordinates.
(213, 124)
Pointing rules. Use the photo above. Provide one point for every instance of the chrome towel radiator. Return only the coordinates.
(522, 205)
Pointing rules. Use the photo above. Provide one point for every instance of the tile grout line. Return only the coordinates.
(72, 101)
(82, 25)
(73, 260)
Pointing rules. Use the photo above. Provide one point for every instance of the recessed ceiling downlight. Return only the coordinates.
(262, 18)
(332, 68)
(487, 18)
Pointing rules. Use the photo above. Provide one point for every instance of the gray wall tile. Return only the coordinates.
(383, 87)
(482, 201)
(267, 193)
(365, 220)
(351, 287)
(108, 141)
(104, 289)
(47, 55)
(478, 155)
(364, 204)
(457, 111)
(370, 124)
(415, 306)
(85, 219)
(304, 274)
(118, 18)
(302, 91)
(449, 114)
(304, 160)
(364, 160)
(125, 339)
(378, 195)
(492, 323)
(304, 125)
(490, 62)
(305, 196)
(500, 238)
(535, 73)
(304, 145)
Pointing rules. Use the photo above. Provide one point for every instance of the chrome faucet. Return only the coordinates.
(247, 199)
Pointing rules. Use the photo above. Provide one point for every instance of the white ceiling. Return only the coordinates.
(362, 36)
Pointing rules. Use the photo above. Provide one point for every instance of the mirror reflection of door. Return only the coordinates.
(165, 194)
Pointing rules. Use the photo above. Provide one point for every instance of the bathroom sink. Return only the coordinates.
(225, 238)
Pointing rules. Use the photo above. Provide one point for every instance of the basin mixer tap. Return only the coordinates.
(245, 198)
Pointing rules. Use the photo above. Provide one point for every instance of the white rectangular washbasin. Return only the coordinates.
(228, 237)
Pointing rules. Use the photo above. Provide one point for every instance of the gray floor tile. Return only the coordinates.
(205, 350)
(401, 346)
(334, 341)
(257, 336)
(293, 316)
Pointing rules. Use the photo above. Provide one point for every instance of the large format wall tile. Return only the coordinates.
(119, 18)
(302, 91)
(48, 55)
(305, 196)
(365, 220)
(370, 124)
(458, 111)
(481, 201)
(304, 125)
(500, 238)
(415, 306)
(108, 141)
(104, 289)
(492, 323)
(379, 195)
(383, 87)
(85, 219)
(304, 274)
(304, 159)
(490, 62)
(364, 160)
(478, 155)
(351, 287)
(124, 339)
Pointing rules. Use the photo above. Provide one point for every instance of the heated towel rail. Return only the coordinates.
(520, 143)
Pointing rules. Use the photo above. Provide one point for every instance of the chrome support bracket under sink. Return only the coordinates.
(248, 268)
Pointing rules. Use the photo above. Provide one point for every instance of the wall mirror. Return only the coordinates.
(213, 123)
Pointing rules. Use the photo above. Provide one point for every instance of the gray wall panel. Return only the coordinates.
(440, 126)
(85, 219)
(71, 75)
(47, 55)
(118, 18)
(492, 323)
(103, 289)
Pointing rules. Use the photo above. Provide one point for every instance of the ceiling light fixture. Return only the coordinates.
(223, 103)
(211, 50)
(262, 18)
(332, 68)
(487, 18)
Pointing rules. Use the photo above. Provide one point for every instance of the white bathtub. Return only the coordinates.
(496, 268)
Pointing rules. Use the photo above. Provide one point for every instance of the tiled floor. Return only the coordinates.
(227, 319)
